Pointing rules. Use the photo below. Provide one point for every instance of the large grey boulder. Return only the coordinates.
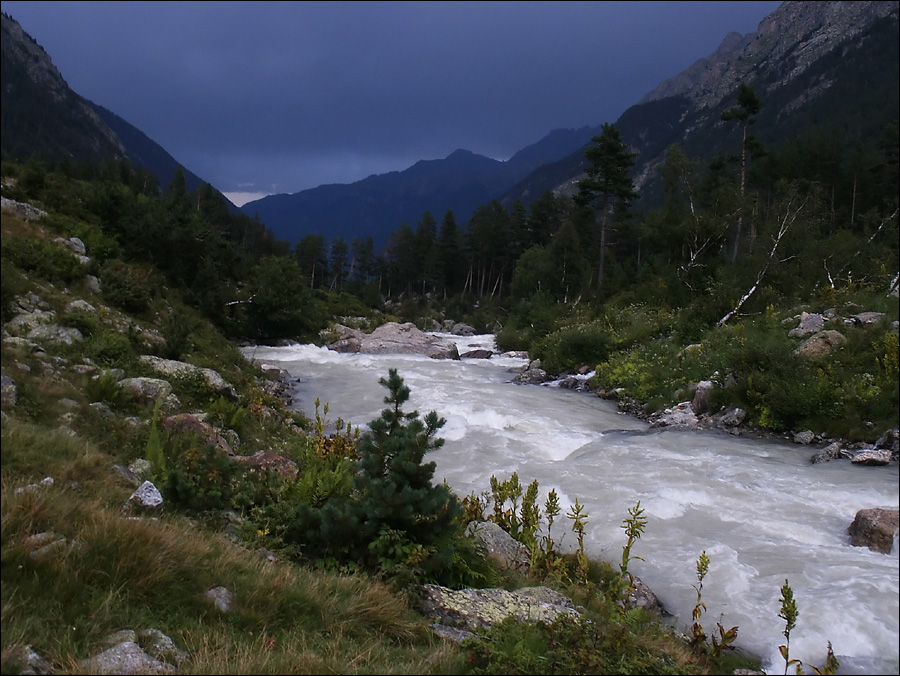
(171, 368)
(23, 209)
(821, 344)
(393, 338)
(148, 390)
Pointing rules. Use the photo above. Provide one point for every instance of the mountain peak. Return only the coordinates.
(796, 33)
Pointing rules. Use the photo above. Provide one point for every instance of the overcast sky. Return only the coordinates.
(275, 97)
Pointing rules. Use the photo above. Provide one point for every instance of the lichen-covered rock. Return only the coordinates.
(179, 369)
(473, 609)
(146, 390)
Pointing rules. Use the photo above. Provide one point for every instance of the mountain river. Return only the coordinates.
(759, 509)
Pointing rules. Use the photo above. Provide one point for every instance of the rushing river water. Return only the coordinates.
(761, 511)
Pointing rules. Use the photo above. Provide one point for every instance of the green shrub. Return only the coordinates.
(568, 348)
(653, 372)
(200, 477)
(109, 349)
(48, 260)
(128, 287)
(11, 285)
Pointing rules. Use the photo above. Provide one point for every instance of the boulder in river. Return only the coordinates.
(393, 338)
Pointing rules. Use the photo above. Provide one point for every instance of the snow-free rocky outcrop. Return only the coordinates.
(392, 338)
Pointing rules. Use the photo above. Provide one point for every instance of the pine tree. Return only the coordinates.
(608, 182)
(394, 484)
(745, 114)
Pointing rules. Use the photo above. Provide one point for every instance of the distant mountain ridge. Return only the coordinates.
(379, 204)
(806, 61)
(41, 116)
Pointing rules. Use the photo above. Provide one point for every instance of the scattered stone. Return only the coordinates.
(146, 390)
(680, 416)
(809, 324)
(141, 468)
(734, 417)
(532, 376)
(103, 410)
(9, 394)
(146, 498)
(191, 425)
(56, 334)
(23, 659)
(641, 596)
(461, 329)
(867, 318)
(125, 658)
(700, 402)
(477, 354)
(504, 550)
(833, 451)
(81, 305)
(805, 437)
(221, 597)
(128, 475)
(161, 647)
(22, 209)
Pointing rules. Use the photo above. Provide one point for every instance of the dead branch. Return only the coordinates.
(786, 223)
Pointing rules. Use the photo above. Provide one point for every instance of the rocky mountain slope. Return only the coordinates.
(41, 116)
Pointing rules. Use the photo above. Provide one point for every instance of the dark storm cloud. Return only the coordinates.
(283, 96)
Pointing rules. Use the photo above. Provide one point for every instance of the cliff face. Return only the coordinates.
(787, 42)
